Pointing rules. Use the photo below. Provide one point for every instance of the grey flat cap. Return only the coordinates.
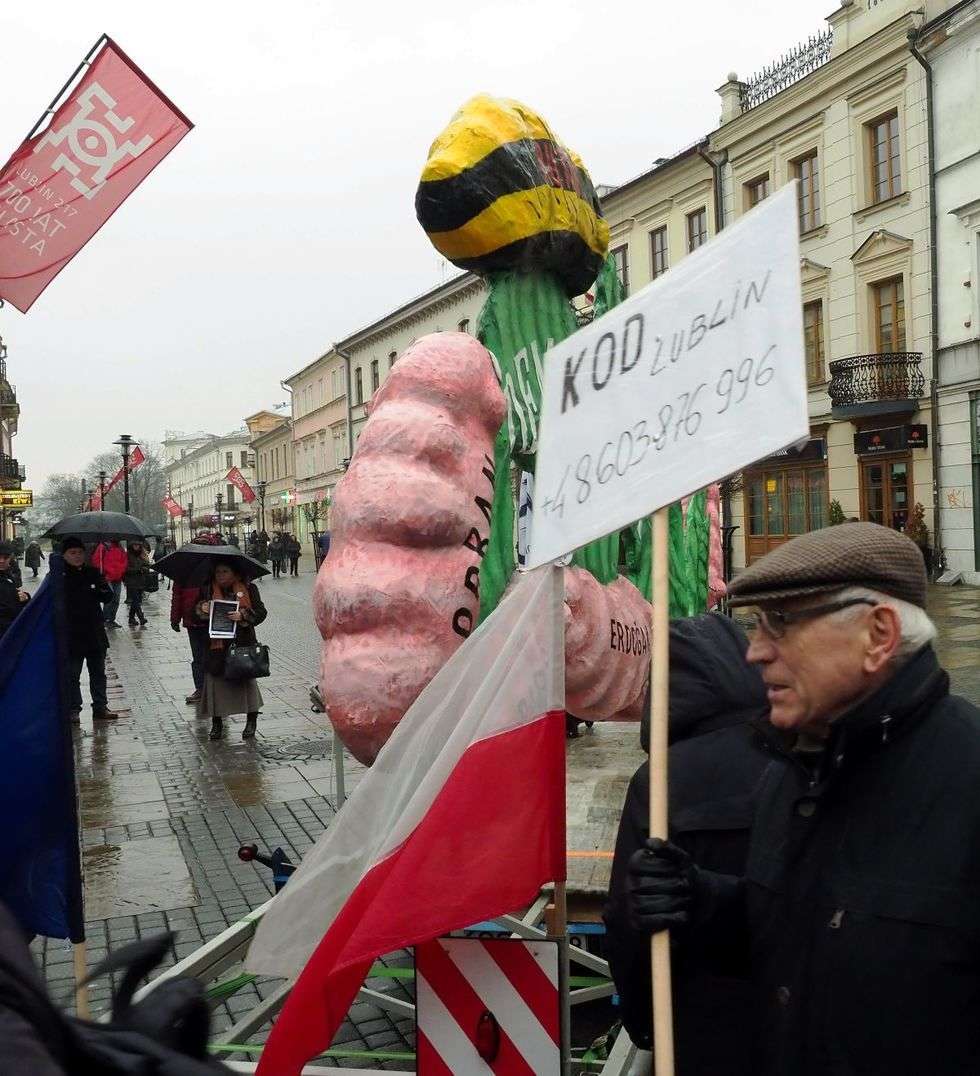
(848, 555)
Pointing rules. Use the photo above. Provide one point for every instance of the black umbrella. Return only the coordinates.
(98, 525)
(191, 565)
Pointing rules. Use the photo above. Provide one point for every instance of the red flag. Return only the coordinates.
(237, 479)
(60, 187)
(421, 848)
(172, 507)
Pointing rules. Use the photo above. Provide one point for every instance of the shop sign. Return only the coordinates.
(16, 498)
(814, 449)
(891, 439)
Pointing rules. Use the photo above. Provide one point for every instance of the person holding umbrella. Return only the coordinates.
(182, 602)
(220, 698)
(203, 573)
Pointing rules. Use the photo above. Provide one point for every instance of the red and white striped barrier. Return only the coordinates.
(487, 1007)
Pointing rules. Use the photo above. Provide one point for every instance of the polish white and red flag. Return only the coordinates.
(63, 184)
(460, 819)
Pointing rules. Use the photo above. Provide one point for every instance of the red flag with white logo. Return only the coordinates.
(63, 184)
(237, 479)
(172, 507)
(421, 847)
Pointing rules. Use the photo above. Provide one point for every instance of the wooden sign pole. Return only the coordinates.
(81, 987)
(663, 1023)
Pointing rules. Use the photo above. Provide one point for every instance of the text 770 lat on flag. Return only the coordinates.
(693, 378)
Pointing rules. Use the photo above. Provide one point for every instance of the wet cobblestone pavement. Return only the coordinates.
(164, 810)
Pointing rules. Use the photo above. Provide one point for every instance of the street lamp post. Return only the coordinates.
(125, 443)
(217, 507)
(89, 496)
(102, 490)
(262, 485)
(190, 517)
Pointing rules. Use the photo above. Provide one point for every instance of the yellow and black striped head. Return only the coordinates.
(499, 191)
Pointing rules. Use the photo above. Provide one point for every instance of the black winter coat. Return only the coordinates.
(23, 1045)
(715, 765)
(86, 591)
(861, 900)
(10, 604)
(244, 635)
(137, 570)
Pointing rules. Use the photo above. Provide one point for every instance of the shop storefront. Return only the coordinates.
(785, 495)
(885, 459)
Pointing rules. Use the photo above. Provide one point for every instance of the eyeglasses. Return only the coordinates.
(775, 622)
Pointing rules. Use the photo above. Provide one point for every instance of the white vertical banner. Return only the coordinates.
(693, 378)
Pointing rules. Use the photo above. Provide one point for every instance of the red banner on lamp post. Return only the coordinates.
(135, 459)
(172, 507)
(237, 479)
(62, 185)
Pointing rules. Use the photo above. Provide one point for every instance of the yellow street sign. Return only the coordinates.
(16, 498)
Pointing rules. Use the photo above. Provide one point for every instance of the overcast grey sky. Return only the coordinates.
(285, 219)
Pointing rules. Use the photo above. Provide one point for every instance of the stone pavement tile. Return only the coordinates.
(136, 877)
(105, 814)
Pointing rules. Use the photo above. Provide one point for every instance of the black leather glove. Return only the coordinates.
(661, 883)
(175, 624)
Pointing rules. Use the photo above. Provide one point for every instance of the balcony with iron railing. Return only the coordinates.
(9, 407)
(10, 473)
(792, 66)
(883, 384)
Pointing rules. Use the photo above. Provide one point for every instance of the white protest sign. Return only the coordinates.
(693, 378)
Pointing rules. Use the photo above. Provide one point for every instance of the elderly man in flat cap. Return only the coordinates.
(859, 912)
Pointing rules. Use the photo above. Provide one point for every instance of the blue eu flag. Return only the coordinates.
(40, 876)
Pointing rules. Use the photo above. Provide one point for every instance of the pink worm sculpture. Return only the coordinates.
(399, 590)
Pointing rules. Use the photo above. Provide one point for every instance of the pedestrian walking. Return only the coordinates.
(859, 903)
(12, 597)
(86, 591)
(33, 557)
(111, 560)
(182, 602)
(715, 763)
(163, 547)
(137, 567)
(293, 551)
(221, 698)
(277, 553)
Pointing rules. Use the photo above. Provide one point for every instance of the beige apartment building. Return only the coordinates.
(319, 437)
(197, 466)
(372, 351)
(323, 424)
(844, 115)
(270, 439)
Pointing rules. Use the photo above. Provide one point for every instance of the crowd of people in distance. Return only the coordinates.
(97, 573)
